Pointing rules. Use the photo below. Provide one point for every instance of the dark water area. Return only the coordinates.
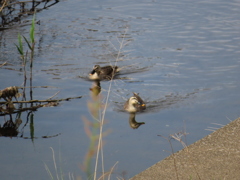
(182, 57)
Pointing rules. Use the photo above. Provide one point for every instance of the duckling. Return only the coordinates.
(100, 73)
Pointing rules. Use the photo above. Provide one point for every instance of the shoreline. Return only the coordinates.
(216, 156)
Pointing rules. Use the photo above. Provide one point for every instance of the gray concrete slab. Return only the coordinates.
(215, 157)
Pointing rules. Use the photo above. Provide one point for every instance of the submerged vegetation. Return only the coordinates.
(12, 104)
(12, 11)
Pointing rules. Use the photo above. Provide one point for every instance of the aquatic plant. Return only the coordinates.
(11, 104)
(12, 11)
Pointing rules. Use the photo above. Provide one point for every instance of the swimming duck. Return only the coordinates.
(134, 104)
(100, 73)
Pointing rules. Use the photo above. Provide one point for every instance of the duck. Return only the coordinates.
(101, 73)
(134, 104)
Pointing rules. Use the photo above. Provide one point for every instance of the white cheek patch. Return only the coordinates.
(93, 76)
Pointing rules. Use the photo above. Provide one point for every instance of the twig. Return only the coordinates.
(22, 2)
(37, 87)
(5, 62)
(32, 108)
(112, 170)
(53, 95)
(39, 101)
(52, 136)
(3, 6)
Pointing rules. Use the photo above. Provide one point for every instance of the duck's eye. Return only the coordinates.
(96, 67)
(92, 72)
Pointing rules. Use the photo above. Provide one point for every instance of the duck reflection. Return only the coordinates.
(96, 88)
(133, 123)
(133, 105)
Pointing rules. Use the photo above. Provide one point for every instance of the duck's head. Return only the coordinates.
(94, 74)
(133, 101)
(131, 105)
(141, 104)
(96, 67)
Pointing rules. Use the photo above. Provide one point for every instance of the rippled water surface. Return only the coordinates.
(181, 56)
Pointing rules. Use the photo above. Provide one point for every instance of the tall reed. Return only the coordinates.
(24, 56)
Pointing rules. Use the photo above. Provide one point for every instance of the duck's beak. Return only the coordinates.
(143, 105)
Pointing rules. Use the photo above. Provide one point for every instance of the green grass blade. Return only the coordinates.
(20, 43)
(19, 50)
(20, 46)
(32, 30)
(30, 47)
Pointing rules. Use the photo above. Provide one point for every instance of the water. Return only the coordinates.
(186, 58)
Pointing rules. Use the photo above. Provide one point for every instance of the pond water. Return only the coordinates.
(182, 57)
